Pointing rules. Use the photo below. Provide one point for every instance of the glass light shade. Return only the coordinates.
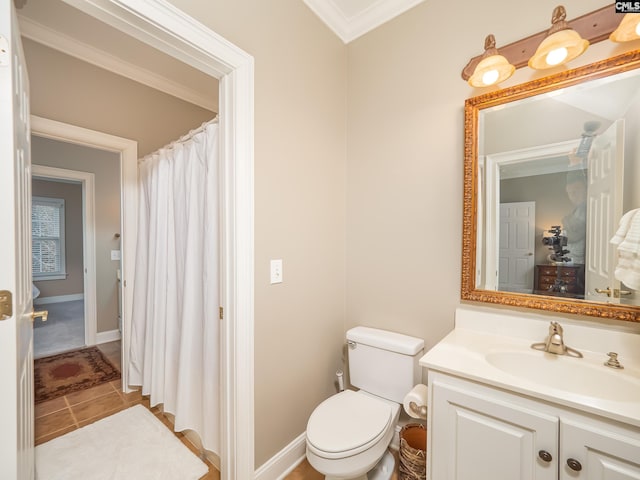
(629, 29)
(568, 39)
(492, 69)
(557, 56)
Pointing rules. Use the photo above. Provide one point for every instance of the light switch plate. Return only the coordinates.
(115, 254)
(276, 271)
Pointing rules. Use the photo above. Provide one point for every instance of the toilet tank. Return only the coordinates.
(384, 363)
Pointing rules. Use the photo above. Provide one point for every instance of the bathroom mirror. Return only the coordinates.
(550, 168)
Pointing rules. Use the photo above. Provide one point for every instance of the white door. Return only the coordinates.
(517, 247)
(16, 332)
(475, 437)
(593, 451)
(604, 210)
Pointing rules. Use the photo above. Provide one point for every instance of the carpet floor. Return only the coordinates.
(70, 372)
(63, 331)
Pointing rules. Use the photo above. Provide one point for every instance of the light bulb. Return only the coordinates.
(490, 77)
(555, 57)
(638, 29)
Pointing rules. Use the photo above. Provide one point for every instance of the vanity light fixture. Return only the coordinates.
(629, 29)
(493, 67)
(561, 45)
(590, 28)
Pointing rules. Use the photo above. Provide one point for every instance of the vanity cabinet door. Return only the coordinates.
(477, 434)
(603, 451)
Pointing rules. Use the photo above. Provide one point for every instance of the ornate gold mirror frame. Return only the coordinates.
(473, 107)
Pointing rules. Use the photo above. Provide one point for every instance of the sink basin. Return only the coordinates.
(572, 375)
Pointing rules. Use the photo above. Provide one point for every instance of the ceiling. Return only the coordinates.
(57, 25)
(350, 19)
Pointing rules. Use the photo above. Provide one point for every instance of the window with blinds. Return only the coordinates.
(47, 238)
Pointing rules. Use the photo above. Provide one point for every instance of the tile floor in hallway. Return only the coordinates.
(64, 414)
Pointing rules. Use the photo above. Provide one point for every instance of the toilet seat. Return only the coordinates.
(347, 423)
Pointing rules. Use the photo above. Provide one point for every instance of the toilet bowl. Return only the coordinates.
(348, 433)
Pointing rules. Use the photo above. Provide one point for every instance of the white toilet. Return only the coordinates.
(348, 433)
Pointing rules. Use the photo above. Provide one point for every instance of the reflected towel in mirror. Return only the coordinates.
(627, 238)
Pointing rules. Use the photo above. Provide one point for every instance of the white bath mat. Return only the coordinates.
(132, 444)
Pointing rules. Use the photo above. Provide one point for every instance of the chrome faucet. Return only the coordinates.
(555, 343)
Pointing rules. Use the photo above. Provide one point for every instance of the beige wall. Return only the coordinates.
(405, 136)
(632, 152)
(358, 156)
(106, 168)
(552, 203)
(71, 91)
(72, 195)
(300, 145)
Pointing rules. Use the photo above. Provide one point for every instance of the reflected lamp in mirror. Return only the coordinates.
(628, 30)
(493, 67)
(561, 45)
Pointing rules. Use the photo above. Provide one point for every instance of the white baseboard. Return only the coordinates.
(283, 462)
(108, 336)
(58, 299)
(194, 439)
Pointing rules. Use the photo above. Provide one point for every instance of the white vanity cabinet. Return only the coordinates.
(605, 450)
(478, 432)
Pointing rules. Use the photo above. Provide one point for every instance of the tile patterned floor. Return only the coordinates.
(65, 414)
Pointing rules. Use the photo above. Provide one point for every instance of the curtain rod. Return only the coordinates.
(185, 138)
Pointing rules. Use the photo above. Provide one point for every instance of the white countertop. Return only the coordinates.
(465, 352)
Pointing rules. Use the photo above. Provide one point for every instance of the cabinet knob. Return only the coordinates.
(545, 456)
(574, 464)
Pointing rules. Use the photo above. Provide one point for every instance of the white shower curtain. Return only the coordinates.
(175, 333)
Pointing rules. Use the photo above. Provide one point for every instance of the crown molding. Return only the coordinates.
(348, 29)
(71, 46)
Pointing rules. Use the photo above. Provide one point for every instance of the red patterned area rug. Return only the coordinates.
(71, 372)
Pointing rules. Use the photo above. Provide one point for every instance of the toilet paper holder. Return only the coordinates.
(420, 410)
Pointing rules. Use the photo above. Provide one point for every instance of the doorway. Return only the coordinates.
(163, 26)
(73, 145)
(84, 301)
(57, 264)
(167, 28)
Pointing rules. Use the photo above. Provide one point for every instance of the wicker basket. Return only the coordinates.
(413, 452)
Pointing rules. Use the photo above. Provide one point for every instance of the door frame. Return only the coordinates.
(128, 152)
(167, 28)
(493, 162)
(87, 181)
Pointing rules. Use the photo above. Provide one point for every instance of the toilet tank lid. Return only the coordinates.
(392, 341)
